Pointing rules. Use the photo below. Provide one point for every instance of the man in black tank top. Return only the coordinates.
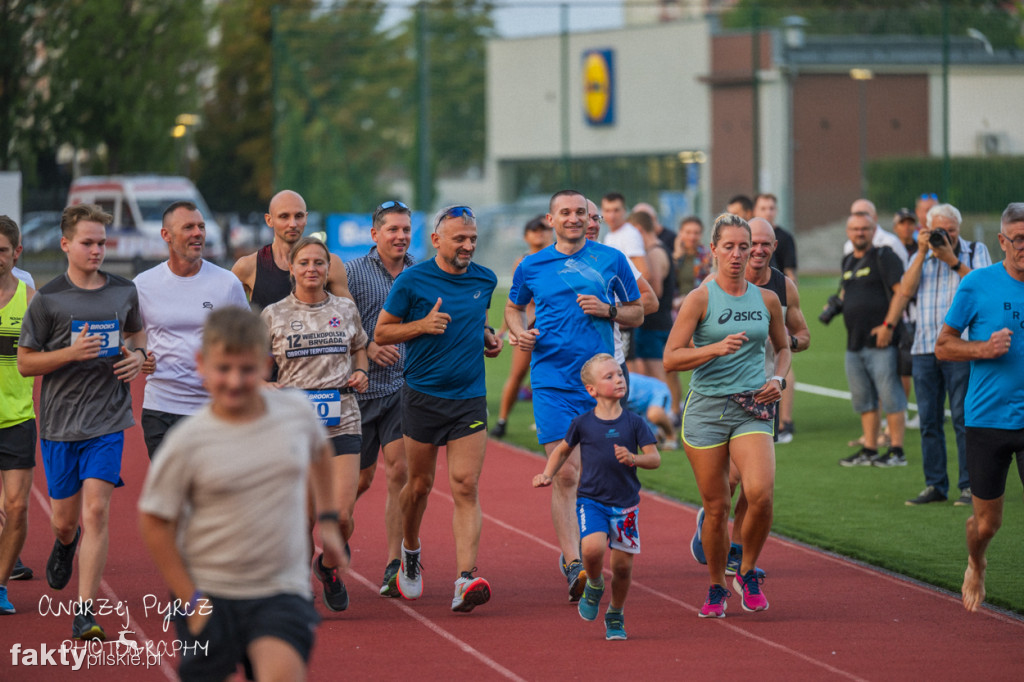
(264, 274)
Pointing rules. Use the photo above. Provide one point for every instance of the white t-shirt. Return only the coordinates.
(620, 356)
(626, 239)
(883, 238)
(23, 276)
(173, 312)
(238, 494)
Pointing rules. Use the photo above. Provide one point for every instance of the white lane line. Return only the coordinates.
(140, 634)
(842, 395)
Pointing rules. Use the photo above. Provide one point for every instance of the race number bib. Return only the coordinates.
(108, 331)
(327, 404)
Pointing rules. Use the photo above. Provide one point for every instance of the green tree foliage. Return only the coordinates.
(999, 21)
(22, 122)
(119, 73)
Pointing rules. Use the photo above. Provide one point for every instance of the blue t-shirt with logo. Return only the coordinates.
(568, 336)
(448, 365)
(988, 300)
(602, 477)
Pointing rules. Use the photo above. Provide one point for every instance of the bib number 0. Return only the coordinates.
(327, 404)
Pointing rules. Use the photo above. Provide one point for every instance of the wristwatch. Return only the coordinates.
(781, 380)
(612, 312)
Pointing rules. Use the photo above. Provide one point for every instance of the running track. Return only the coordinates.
(829, 618)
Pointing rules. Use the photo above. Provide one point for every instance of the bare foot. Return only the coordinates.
(973, 590)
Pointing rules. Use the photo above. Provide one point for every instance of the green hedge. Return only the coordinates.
(977, 185)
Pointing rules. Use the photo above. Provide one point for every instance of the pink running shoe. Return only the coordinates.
(750, 586)
(715, 605)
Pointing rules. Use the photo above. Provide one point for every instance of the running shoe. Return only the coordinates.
(577, 578)
(590, 602)
(861, 458)
(389, 587)
(732, 564)
(58, 566)
(927, 496)
(965, 499)
(889, 459)
(614, 625)
(6, 607)
(410, 578)
(470, 592)
(335, 594)
(696, 548)
(21, 571)
(750, 586)
(498, 430)
(85, 627)
(785, 433)
(715, 605)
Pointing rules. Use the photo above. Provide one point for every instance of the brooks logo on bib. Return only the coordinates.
(327, 404)
(108, 331)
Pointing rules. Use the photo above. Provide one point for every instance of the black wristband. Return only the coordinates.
(489, 328)
(360, 369)
(328, 516)
(145, 356)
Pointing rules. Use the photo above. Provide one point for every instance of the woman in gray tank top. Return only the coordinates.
(720, 334)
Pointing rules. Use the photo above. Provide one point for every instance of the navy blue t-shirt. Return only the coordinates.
(603, 478)
(448, 365)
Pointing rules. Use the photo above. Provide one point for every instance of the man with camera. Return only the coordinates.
(943, 258)
(871, 275)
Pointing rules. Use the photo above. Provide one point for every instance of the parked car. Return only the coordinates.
(40, 231)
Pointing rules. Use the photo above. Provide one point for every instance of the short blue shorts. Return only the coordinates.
(650, 343)
(68, 463)
(621, 525)
(554, 409)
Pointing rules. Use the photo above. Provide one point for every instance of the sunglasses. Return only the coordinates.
(389, 205)
(933, 196)
(455, 212)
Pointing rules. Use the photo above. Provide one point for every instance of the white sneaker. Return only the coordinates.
(470, 592)
(914, 423)
(410, 577)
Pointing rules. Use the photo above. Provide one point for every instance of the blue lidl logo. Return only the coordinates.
(599, 87)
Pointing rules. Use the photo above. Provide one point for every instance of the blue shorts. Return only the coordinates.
(621, 525)
(554, 409)
(874, 379)
(68, 463)
(650, 343)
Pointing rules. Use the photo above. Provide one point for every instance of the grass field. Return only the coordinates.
(857, 512)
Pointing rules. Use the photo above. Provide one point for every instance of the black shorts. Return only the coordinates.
(221, 645)
(382, 424)
(155, 425)
(429, 419)
(347, 444)
(989, 455)
(18, 446)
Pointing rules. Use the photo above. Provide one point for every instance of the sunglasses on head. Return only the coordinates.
(389, 205)
(455, 212)
(933, 196)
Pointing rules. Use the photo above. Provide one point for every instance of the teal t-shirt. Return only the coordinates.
(744, 369)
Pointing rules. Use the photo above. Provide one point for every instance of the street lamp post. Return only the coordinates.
(862, 76)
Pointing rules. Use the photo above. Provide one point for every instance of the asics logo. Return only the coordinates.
(739, 316)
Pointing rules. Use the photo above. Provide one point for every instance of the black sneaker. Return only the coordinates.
(85, 627)
(21, 571)
(58, 566)
(335, 594)
(889, 459)
(965, 499)
(389, 588)
(929, 494)
(577, 579)
(498, 430)
(861, 458)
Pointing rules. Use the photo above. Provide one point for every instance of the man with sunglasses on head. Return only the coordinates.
(370, 279)
(265, 274)
(438, 308)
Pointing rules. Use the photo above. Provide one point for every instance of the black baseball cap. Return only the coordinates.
(905, 214)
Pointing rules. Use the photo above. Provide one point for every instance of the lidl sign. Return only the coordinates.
(599, 87)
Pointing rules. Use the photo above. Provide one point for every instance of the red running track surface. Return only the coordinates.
(829, 618)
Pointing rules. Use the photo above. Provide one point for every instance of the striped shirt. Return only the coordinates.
(370, 282)
(939, 283)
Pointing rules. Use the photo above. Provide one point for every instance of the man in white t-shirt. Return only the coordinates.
(175, 298)
(621, 234)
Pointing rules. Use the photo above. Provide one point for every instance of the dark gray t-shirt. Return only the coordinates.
(83, 400)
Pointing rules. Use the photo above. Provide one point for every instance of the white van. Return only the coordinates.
(137, 203)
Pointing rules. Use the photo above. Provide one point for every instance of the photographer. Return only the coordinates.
(870, 276)
(943, 258)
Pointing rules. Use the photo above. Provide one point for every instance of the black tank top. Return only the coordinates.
(777, 283)
(271, 283)
(661, 319)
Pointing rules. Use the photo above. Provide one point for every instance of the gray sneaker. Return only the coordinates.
(928, 495)
(965, 499)
(861, 458)
(889, 459)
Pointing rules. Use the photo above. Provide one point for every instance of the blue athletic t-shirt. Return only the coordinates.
(988, 300)
(602, 477)
(569, 337)
(448, 365)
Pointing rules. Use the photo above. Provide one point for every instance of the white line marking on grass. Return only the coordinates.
(842, 395)
(140, 634)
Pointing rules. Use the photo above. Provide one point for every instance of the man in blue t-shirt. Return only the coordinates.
(579, 288)
(989, 306)
(438, 308)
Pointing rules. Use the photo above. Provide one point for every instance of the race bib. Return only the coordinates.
(327, 404)
(108, 331)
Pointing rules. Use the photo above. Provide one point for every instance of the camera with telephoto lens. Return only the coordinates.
(939, 238)
(832, 308)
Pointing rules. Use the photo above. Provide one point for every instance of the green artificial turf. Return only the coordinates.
(858, 512)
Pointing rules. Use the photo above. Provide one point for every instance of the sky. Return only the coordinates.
(520, 18)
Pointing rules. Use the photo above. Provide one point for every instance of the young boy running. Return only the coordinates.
(608, 498)
(227, 484)
(83, 334)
